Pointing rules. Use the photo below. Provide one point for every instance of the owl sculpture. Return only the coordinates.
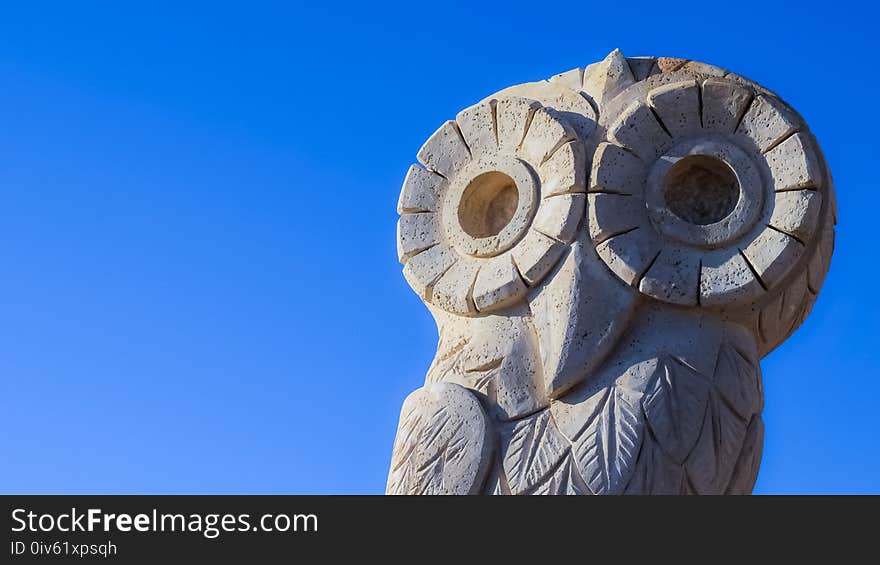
(608, 254)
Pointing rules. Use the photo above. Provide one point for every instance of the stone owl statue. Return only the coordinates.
(608, 254)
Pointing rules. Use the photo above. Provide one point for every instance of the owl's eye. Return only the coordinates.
(707, 193)
(704, 192)
(701, 189)
(499, 200)
(488, 204)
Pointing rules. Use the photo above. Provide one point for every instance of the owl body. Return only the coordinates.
(608, 255)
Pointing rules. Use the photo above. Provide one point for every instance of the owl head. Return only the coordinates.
(540, 220)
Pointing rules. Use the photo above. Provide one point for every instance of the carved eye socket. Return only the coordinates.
(710, 193)
(493, 209)
(701, 189)
(488, 204)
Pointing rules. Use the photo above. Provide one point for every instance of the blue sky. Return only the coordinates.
(199, 290)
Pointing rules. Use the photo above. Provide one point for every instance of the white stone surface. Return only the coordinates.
(451, 424)
(725, 104)
(677, 105)
(608, 254)
(506, 169)
(606, 78)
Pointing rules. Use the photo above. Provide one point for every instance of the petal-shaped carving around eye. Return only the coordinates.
(562, 173)
(629, 254)
(638, 130)
(423, 270)
(767, 122)
(498, 283)
(415, 233)
(724, 104)
(536, 255)
(616, 170)
(421, 191)
(793, 164)
(559, 216)
(678, 106)
(514, 116)
(613, 214)
(673, 277)
(452, 291)
(568, 103)
(796, 212)
(478, 127)
(445, 152)
(726, 278)
(772, 255)
(544, 136)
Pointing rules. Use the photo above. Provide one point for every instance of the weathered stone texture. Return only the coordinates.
(608, 255)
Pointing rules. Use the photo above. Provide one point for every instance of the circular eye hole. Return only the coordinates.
(701, 189)
(488, 204)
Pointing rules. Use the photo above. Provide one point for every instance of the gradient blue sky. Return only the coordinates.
(199, 291)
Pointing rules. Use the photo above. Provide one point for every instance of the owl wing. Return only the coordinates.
(442, 445)
(704, 432)
(682, 420)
